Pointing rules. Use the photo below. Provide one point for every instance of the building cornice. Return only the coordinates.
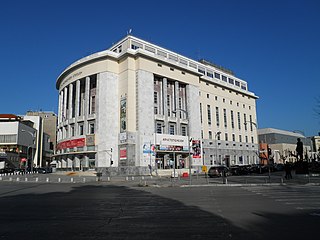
(160, 55)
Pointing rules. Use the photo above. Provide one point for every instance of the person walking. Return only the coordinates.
(299, 150)
(287, 168)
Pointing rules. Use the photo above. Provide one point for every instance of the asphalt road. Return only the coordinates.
(105, 211)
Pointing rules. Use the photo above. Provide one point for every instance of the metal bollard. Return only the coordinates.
(47, 179)
(71, 180)
(37, 179)
(108, 179)
(127, 178)
(26, 179)
(18, 179)
(84, 180)
(132, 178)
(59, 180)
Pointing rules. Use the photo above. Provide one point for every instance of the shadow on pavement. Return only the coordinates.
(118, 212)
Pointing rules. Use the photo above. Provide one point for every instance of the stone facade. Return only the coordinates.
(138, 106)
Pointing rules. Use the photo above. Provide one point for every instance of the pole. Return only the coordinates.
(190, 180)
(174, 165)
(187, 116)
(150, 168)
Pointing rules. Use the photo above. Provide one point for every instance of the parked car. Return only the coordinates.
(218, 171)
(7, 170)
(43, 170)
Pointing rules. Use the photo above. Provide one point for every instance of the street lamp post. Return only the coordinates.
(155, 147)
(187, 116)
(269, 171)
(33, 142)
(216, 135)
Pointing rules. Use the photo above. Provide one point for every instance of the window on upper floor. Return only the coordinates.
(171, 129)
(224, 78)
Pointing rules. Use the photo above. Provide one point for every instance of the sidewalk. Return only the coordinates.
(165, 179)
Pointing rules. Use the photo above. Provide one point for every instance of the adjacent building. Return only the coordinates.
(282, 144)
(46, 124)
(23, 143)
(137, 106)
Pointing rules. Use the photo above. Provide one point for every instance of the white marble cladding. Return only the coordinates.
(107, 119)
(145, 112)
(193, 111)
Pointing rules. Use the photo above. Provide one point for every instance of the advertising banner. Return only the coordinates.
(80, 142)
(123, 114)
(196, 149)
(123, 153)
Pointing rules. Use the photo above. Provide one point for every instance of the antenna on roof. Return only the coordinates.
(129, 32)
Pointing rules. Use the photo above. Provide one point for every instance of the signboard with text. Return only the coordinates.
(80, 142)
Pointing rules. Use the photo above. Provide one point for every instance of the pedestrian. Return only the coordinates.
(287, 168)
(299, 150)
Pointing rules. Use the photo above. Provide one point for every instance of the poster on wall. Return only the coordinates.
(123, 114)
(196, 149)
(148, 152)
(123, 153)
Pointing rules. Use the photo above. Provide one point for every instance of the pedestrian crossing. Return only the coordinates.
(306, 197)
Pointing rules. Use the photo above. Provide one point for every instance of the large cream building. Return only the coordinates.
(138, 105)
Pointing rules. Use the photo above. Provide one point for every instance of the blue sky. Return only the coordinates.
(273, 45)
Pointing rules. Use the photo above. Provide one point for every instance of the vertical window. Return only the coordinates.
(233, 137)
(225, 118)
(239, 121)
(155, 98)
(168, 104)
(245, 121)
(81, 129)
(210, 134)
(72, 130)
(217, 117)
(240, 138)
(246, 139)
(91, 128)
(232, 120)
(66, 132)
(218, 136)
(200, 112)
(251, 123)
(209, 114)
(93, 105)
(201, 133)
(226, 136)
(171, 129)
(252, 139)
(183, 130)
(159, 128)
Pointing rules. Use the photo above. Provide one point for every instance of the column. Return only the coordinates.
(70, 100)
(165, 103)
(86, 103)
(176, 106)
(77, 98)
(64, 117)
(60, 106)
